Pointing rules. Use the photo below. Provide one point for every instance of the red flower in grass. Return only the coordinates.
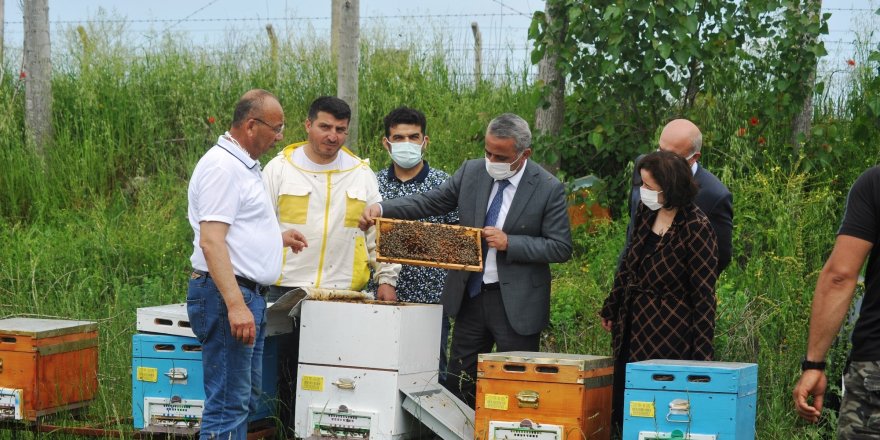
(22, 75)
(211, 120)
(754, 121)
(741, 132)
(761, 140)
(851, 62)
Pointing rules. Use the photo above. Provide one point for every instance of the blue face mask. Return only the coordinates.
(406, 154)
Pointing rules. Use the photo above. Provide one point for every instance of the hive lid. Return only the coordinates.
(583, 361)
(439, 410)
(693, 376)
(44, 328)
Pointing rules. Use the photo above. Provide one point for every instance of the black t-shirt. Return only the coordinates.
(862, 220)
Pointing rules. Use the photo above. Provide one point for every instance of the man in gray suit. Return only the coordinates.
(522, 210)
(683, 138)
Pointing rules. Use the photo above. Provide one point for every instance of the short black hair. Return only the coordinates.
(330, 104)
(405, 115)
(249, 103)
(674, 176)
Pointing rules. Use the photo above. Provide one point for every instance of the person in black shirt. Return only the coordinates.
(855, 242)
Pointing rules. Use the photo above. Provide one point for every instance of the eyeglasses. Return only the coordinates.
(277, 130)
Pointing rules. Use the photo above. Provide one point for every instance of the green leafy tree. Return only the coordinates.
(634, 64)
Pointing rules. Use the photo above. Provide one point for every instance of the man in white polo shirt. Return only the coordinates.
(237, 251)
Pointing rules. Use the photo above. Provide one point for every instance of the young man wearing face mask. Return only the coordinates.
(522, 210)
(409, 173)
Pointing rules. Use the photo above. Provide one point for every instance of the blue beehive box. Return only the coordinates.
(168, 383)
(690, 400)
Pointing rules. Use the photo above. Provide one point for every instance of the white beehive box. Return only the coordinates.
(171, 319)
(330, 401)
(402, 337)
(353, 359)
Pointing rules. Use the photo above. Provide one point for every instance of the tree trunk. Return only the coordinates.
(548, 119)
(800, 125)
(37, 72)
(347, 64)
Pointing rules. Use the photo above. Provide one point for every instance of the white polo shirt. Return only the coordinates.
(226, 186)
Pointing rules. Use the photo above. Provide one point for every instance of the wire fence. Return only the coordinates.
(506, 51)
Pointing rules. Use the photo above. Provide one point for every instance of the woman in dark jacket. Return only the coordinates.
(662, 302)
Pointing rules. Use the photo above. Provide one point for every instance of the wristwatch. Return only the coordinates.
(810, 365)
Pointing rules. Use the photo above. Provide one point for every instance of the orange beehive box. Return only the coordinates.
(49, 365)
(543, 395)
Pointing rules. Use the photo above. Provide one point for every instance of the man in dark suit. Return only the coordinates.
(522, 210)
(683, 138)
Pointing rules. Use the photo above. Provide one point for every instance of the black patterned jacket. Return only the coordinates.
(663, 300)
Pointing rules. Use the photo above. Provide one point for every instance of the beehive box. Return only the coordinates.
(168, 386)
(402, 337)
(353, 358)
(545, 396)
(429, 244)
(691, 400)
(171, 319)
(46, 366)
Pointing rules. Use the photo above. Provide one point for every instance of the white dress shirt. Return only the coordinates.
(490, 266)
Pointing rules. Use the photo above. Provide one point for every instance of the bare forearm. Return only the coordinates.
(831, 302)
(220, 268)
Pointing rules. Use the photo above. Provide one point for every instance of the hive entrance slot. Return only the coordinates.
(699, 379)
(663, 377)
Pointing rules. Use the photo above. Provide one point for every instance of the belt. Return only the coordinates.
(490, 287)
(242, 281)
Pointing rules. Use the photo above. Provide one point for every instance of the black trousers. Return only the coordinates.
(481, 324)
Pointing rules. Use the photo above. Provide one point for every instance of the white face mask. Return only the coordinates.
(650, 198)
(501, 170)
(406, 154)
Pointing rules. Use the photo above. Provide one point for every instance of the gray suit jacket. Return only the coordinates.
(536, 225)
(713, 198)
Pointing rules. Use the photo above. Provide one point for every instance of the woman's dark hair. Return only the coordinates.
(673, 175)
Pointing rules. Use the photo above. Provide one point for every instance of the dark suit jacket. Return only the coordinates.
(714, 199)
(536, 226)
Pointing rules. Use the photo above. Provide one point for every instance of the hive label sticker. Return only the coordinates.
(641, 409)
(495, 401)
(147, 374)
(312, 383)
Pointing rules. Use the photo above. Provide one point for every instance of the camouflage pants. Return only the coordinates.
(860, 411)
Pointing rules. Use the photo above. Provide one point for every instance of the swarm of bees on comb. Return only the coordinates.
(429, 242)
